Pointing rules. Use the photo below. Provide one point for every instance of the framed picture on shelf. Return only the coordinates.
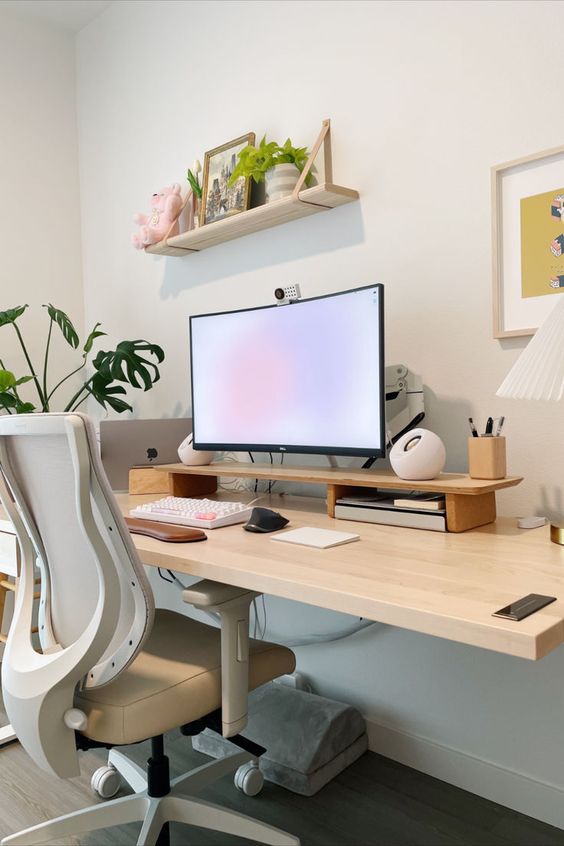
(219, 199)
(527, 241)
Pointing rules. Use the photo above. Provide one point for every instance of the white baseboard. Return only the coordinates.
(529, 796)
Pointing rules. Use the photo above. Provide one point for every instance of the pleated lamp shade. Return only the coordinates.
(538, 373)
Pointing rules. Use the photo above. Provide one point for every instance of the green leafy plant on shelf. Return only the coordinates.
(125, 364)
(194, 180)
(255, 161)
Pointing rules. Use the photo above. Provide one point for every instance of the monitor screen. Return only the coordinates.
(306, 377)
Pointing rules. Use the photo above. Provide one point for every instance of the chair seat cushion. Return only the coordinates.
(176, 678)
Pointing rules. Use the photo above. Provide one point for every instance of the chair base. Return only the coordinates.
(154, 812)
(7, 735)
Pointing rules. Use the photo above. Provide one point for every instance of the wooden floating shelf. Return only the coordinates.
(469, 502)
(309, 201)
(300, 203)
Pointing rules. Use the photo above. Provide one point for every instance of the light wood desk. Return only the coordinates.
(438, 583)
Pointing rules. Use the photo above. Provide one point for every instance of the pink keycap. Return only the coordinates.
(210, 515)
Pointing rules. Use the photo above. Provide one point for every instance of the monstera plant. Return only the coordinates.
(129, 363)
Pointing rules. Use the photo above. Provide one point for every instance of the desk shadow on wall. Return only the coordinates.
(298, 239)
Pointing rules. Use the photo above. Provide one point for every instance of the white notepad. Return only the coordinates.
(320, 538)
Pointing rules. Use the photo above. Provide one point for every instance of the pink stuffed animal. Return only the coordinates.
(165, 208)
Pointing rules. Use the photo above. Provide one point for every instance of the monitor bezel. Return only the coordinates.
(304, 449)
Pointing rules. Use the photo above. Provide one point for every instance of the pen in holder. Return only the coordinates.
(486, 458)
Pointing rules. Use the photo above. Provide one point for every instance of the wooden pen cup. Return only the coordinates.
(486, 458)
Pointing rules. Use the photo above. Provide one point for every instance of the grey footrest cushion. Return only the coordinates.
(309, 739)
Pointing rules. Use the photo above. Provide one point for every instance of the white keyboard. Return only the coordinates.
(200, 513)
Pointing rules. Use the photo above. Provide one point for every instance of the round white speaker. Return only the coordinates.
(193, 457)
(417, 455)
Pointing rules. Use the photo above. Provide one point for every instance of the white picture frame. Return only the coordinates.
(513, 315)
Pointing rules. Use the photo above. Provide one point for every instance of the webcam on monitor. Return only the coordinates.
(289, 294)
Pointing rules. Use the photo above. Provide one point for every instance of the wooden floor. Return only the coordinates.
(375, 802)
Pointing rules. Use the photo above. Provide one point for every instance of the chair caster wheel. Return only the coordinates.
(249, 779)
(105, 782)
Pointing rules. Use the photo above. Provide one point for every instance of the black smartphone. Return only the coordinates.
(524, 607)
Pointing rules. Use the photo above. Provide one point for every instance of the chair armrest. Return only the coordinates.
(206, 593)
(232, 604)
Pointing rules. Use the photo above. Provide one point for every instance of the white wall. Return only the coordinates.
(424, 97)
(39, 215)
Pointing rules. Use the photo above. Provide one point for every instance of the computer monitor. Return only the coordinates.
(305, 377)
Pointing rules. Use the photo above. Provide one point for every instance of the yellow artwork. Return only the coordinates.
(542, 244)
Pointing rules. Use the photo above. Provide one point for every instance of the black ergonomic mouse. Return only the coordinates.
(265, 520)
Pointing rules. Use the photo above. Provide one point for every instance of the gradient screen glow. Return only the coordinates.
(304, 377)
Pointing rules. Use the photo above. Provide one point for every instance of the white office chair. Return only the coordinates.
(111, 669)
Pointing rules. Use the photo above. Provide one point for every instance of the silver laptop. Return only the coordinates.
(139, 443)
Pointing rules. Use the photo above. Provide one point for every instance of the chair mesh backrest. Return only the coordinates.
(43, 468)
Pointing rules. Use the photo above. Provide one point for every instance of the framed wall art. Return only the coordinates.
(219, 199)
(527, 241)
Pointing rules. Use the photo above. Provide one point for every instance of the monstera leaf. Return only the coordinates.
(11, 314)
(105, 392)
(64, 323)
(87, 348)
(125, 364)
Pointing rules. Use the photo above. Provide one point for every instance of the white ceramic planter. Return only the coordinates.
(280, 181)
